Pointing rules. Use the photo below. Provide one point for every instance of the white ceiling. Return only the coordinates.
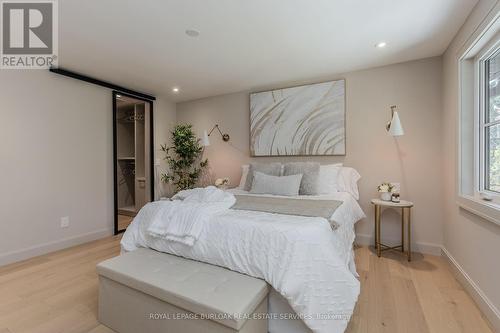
(246, 44)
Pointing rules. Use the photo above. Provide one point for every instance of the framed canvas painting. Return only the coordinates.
(299, 121)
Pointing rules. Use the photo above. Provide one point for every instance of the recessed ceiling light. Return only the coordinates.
(175, 90)
(118, 96)
(192, 33)
(381, 45)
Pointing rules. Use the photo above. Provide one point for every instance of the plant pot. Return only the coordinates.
(385, 196)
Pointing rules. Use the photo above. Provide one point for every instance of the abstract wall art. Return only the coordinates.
(299, 121)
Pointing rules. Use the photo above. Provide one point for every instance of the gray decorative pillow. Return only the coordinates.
(273, 169)
(310, 175)
(266, 184)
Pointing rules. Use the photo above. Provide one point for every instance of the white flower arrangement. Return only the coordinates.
(222, 182)
(385, 187)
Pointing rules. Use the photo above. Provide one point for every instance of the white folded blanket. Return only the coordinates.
(182, 219)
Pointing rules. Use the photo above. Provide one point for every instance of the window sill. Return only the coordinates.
(487, 210)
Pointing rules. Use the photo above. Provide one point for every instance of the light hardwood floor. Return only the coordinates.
(123, 222)
(57, 293)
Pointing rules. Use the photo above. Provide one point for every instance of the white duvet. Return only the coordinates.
(300, 257)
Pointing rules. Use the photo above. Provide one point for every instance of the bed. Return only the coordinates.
(344, 218)
(308, 261)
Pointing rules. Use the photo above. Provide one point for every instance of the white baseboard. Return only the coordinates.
(483, 302)
(15, 256)
(428, 248)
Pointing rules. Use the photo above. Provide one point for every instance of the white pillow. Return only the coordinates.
(328, 178)
(347, 181)
(284, 185)
(244, 174)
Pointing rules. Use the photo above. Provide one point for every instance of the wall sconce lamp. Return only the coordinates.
(394, 127)
(206, 141)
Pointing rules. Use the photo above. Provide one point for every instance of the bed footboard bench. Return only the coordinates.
(152, 292)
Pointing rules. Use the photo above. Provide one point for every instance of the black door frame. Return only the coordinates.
(115, 156)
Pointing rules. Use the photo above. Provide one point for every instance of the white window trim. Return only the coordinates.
(487, 210)
(483, 46)
(479, 123)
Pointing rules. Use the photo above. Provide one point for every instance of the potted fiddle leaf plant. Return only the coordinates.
(184, 158)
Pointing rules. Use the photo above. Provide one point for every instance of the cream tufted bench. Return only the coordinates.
(151, 292)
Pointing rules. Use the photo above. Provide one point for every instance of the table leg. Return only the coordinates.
(403, 230)
(409, 234)
(375, 226)
(377, 223)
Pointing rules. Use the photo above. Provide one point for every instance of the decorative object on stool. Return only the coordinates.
(222, 183)
(396, 189)
(385, 190)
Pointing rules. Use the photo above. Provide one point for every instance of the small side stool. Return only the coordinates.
(405, 208)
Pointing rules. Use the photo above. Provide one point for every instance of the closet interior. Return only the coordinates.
(133, 157)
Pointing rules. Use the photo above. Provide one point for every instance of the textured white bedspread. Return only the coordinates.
(300, 257)
(344, 217)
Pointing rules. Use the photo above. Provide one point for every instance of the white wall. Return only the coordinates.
(472, 242)
(56, 160)
(164, 122)
(414, 160)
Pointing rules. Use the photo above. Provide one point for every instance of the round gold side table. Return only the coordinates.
(405, 207)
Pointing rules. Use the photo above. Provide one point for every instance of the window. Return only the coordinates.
(491, 124)
(478, 178)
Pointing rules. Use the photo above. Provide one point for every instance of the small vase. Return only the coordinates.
(385, 196)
